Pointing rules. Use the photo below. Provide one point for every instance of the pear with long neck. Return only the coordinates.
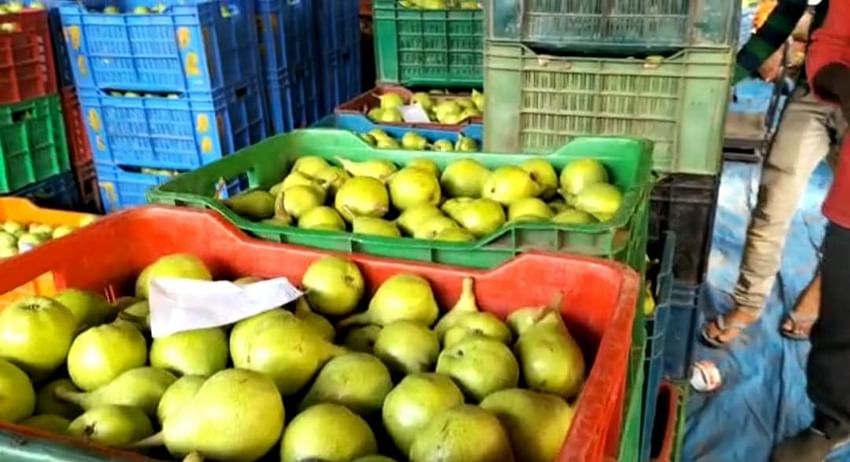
(317, 322)
(378, 169)
(550, 359)
(465, 304)
(141, 388)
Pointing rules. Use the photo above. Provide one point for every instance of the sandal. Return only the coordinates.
(725, 329)
(801, 326)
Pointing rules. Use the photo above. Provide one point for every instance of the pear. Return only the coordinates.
(464, 178)
(465, 303)
(387, 143)
(412, 219)
(422, 99)
(481, 323)
(307, 436)
(295, 178)
(362, 339)
(390, 116)
(523, 318)
(17, 396)
(391, 100)
(374, 227)
(278, 220)
(140, 388)
(379, 134)
(318, 323)
(509, 184)
(407, 347)
(551, 360)
(332, 178)
(542, 173)
(559, 206)
(463, 433)
(464, 143)
(48, 422)
(454, 235)
(300, 199)
(177, 394)
(573, 217)
(374, 459)
(425, 164)
(180, 265)
(434, 226)
(477, 97)
(333, 286)
(310, 165)
(443, 145)
(138, 314)
(102, 353)
(358, 381)
(378, 169)
(88, 307)
(47, 402)
(253, 205)
(537, 423)
(529, 209)
(445, 109)
(281, 346)
(480, 366)
(324, 218)
(62, 231)
(581, 173)
(362, 196)
(601, 200)
(479, 216)
(195, 352)
(111, 425)
(465, 103)
(35, 334)
(403, 296)
(414, 141)
(375, 114)
(410, 187)
(416, 400)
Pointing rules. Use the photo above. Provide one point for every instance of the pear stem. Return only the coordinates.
(355, 320)
(466, 300)
(71, 396)
(152, 441)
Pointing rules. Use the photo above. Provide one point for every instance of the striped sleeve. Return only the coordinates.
(775, 31)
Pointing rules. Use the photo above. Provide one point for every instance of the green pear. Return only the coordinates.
(112, 425)
(443, 145)
(137, 314)
(480, 366)
(422, 99)
(62, 231)
(8, 240)
(391, 100)
(387, 143)
(447, 108)
(542, 173)
(374, 458)
(35, 334)
(88, 307)
(465, 303)
(425, 164)
(48, 422)
(358, 381)
(414, 141)
(520, 320)
(464, 178)
(17, 396)
(573, 217)
(454, 235)
(375, 114)
(140, 388)
(378, 169)
(601, 200)
(47, 402)
(332, 178)
(300, 199)
(378, 134)
(295, 178)
(551, 360)
(369, 139)
(416, 400)
(476, 97)
(14, 228)
(362, 339)
(581, 173)
(40, 228)
(8, 252)
(407, 347)
(404, 296)
(480, 323)
(324, 218)
(195, 352)
(310, 165)
(100, 354)
(463, 433)
(434, 226)
(374, 227)
(179, 265)
(464, 143)
(253, 205)
(278, 220)
(559, 206)
(177, 394)
(529, 208)
(317, 322)
(281, 346)
(509, 184)
(537, 423)
(479, 216)
(389, 115)
(29, 241)
(434, 4)
(412, 219)
(333, 286)
(410, 187)
(465, 103)
(307, 436)
(362, 196)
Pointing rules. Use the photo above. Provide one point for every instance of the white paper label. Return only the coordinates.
(179, 305)
(414, 114)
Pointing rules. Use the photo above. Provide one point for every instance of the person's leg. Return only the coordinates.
(803, 140)
(827, 372)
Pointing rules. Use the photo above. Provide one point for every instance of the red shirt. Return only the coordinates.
(831, 44)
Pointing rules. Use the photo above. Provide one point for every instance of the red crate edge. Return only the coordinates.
(27, 67)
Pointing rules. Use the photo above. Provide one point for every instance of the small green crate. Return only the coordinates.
(536, 102)
(32, 142)
(623, 238)
(633, 407)
(435, 48)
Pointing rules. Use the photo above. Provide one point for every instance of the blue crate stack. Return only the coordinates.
(165, 87)
(338, 28)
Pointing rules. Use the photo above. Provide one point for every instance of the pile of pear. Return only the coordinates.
(462, 203)
(416, 142)
(338, 375)
(440, 109)
(440, 4)
(17, 237)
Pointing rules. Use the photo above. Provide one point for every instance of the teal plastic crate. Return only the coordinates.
(537, 102)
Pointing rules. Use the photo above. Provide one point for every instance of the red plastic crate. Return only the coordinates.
(86, 176)
(670, 396)
(75, 128)
(598, 297)
(27, 69)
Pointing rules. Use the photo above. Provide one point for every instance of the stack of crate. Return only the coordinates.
(163, 87)
(33, 149)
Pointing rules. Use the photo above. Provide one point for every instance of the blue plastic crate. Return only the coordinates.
(182, 133)
(193, 45)
(682, 326)
(57, 192)
(752, 96)
(360, 124)
(656, 330)
(338, 27)
(122, 187)
(289, 62)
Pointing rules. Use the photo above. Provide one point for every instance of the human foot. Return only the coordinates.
(724, 329)
(797, 324)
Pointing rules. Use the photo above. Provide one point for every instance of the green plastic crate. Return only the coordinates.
(614, 26)
(633, 408)
(436, 48)
(535, 102)
(32, 142)
(264, 164)
(681, 420)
